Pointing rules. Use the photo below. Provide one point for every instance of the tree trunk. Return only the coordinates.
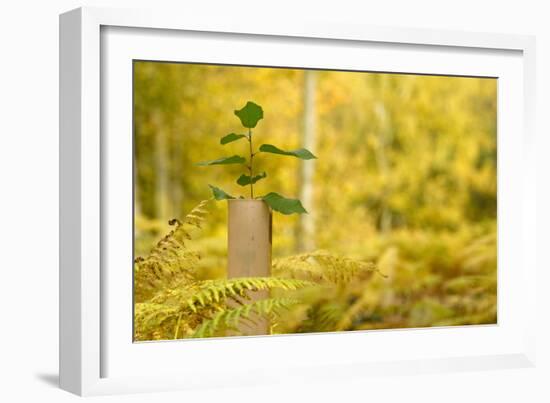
(384, 139)
(161, 172)
(305, 230)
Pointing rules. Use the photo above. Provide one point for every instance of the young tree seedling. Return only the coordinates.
(249, 116)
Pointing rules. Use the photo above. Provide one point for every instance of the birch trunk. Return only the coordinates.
(161, 172)
(305, 231)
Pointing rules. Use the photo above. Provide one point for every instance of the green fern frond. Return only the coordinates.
(181, 309)
(169, 261)
(208, 293)
(214, 290)
(322, 266)
(230, 319)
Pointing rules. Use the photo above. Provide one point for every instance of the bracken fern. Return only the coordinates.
(229, 319)
(169, 261)
(323, 266)
(171, 302)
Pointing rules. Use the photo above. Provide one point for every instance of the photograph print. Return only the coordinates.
(272, 201)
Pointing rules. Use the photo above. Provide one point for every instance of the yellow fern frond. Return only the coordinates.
(169, 261)
(322, 266)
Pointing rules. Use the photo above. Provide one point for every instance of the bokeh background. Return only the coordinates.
(405, 177)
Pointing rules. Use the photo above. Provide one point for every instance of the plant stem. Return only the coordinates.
(250, 166)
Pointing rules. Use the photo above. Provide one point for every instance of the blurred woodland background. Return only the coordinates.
(405, 179)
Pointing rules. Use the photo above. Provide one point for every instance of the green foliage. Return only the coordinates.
(283, 205)
(245, 180)
(230, 138)
(250, 114)
(230, 319)
(220, 194)
(235, 159)
(214, 291)
(182, 308)
(301, 153)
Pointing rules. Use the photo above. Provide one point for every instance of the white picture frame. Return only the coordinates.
(97, 43)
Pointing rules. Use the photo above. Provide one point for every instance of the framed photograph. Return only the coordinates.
(247, 204)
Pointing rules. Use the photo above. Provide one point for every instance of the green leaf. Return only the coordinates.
(235, 159)
(220, 194)
(250, 114)
(246, 180)
(283, 205)
(231, 137)
(299, 153)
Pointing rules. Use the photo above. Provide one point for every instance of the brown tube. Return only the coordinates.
(249, 249)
